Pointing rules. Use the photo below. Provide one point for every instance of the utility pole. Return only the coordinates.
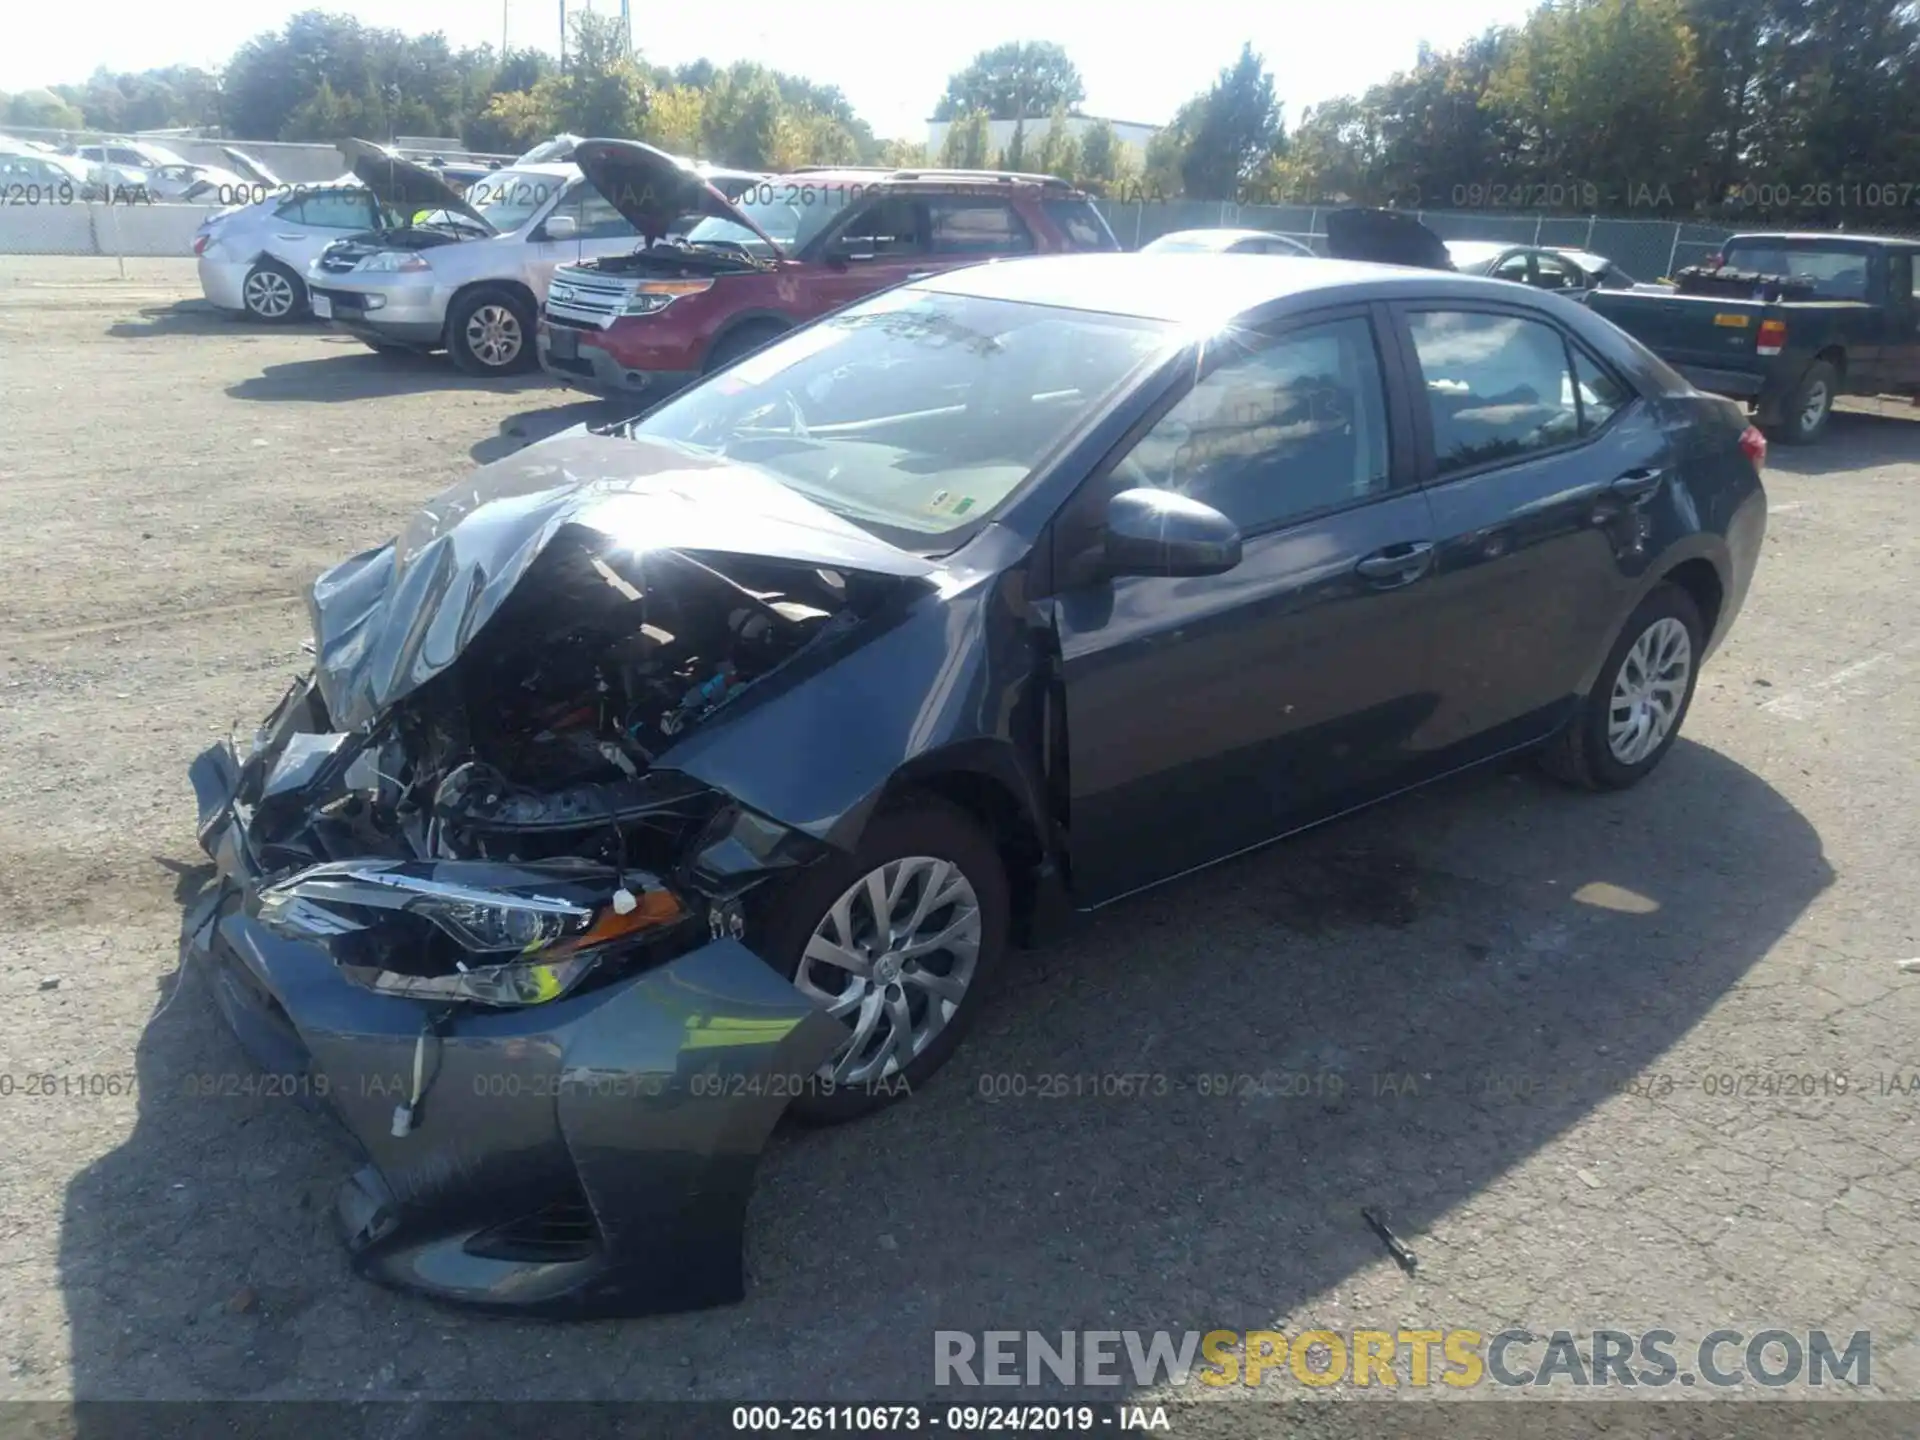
(503, 29)
(563, 34)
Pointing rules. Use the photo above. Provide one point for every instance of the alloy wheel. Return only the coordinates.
(269, 294)
(892, 958)
(1648, 691)
(493, 335)
(1814, 409)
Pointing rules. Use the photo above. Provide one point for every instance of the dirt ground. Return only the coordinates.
(1509, 954)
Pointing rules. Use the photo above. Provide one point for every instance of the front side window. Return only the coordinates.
(914, 414)
(793, 212)
(1276, 433)
(508, 199)
(1497, 386)
(959, 225)
(1514, 267)
(1553, 273)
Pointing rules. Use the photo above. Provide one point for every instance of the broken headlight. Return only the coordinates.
(523, 945)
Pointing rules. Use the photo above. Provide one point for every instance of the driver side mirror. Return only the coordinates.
(1159, 532)
(562, 227)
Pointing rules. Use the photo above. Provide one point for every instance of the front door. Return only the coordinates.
(1208, 715)
(882, 243)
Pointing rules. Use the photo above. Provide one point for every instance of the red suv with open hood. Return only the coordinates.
(783, 252)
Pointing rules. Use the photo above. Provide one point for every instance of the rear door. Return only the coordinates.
(1902, 325)
(1207, 715)
(1539, 462)
(306, 224)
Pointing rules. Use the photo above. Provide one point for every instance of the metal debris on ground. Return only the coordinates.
(1396, 1247)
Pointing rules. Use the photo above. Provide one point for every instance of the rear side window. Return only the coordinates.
(1498, 386)
(1085, 227)
(1514, 267)
(890, 226)
(329, 210)
(1602, 394)
(1835, 274)
(961, 225)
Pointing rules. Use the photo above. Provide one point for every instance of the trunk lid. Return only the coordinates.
(388, 620)
(404, 184)
(1698, 330)
(652, 189)
(1385, 237)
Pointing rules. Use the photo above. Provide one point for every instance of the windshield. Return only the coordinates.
(1835, 274)
(509, 198)
(914, 415)
(791, 211)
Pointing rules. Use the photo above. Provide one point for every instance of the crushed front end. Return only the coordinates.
(503, 939)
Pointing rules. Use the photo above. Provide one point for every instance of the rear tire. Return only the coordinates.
(273, 294)
(1804, 417)
(490, 332)
(1630, 719)
(744, 341)
(946, 879)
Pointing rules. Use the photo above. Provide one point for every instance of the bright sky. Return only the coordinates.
(1138, 64)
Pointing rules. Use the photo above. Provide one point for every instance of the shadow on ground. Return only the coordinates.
(1462, 938)
(198, 317)
(521, 430)
(1855, 440)
(351, 371)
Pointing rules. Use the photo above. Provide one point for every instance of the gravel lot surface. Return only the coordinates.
(1507, 954)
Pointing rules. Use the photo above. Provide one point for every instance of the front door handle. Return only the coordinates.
(1397, 564)
(1637, 486)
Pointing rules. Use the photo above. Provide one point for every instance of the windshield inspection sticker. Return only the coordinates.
(944, 502)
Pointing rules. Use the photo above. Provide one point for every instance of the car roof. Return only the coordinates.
(1586, 259)
(927, 178)
(1824, 237)
(1195, 287)
(1480, 249)
(558, 169)
(1220, 238)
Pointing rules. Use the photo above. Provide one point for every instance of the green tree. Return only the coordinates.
(742, 116)
(602, 90)
(1220, 138)
(1014, 157)
(1059, 151)
(967, 143)
(1099, 154)
(44, 110)
(1022, 79)
(1597, 91)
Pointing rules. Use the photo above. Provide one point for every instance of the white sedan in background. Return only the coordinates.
(1226, 241)
(254, 258)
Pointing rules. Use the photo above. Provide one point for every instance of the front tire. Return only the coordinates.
(1627, 723)
(490, 332)
(744, 341)
(273, 294)
(899, 941)
(1810, 407)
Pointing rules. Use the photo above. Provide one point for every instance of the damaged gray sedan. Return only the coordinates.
(670, 776)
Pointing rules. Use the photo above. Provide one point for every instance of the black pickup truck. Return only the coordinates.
(1787, 323)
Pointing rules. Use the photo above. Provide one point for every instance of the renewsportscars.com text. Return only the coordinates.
(1457, 1358)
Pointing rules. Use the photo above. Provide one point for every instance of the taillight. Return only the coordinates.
(1773, 337)
(1753, 445)
(200, 244)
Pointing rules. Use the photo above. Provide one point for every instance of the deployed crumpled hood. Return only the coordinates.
(403, 184)
(249, 167)
(388, 620)
(1386, 237)
(652, 189)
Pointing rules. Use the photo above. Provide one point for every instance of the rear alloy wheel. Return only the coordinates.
(896, 941)
(490, 332)
(1810, 407)
(1633, 715)
(273, 293)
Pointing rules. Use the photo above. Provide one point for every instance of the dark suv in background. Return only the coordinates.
(781, 253)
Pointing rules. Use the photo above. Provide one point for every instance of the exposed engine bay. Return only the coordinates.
(676, 259)
(501, 808)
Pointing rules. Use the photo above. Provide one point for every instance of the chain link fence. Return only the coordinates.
(1645, 249)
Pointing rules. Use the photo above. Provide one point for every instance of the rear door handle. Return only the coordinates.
(1397, 564)
(1637, 485)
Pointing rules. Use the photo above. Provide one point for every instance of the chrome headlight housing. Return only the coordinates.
(390, 261)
